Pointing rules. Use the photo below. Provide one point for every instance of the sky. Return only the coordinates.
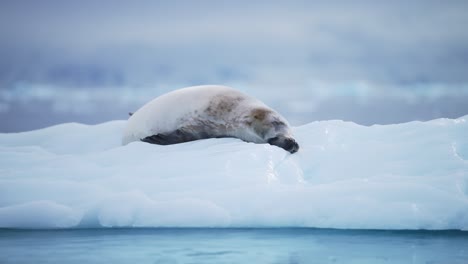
(370, 62)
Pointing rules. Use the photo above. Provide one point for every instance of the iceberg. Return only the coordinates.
(402, 176)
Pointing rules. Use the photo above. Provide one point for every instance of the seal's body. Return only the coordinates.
(208, 111)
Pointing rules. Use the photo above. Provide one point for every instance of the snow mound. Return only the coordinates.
(404, 176)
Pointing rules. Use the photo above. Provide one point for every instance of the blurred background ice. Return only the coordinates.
(364, 61)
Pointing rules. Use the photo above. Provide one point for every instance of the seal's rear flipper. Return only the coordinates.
(130, 113)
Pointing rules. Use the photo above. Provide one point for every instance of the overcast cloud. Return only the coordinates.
(364, 61)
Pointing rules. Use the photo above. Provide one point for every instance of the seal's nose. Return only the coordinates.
(291, 145)
(287, 144)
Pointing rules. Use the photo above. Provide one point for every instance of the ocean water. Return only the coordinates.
(232, 245)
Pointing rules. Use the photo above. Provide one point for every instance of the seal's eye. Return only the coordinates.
(276, 123)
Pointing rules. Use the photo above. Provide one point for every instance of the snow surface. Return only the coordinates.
(404, 176)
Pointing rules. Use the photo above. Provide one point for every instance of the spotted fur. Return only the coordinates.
(208, 112)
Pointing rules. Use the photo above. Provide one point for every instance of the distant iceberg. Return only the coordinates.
(404, 176)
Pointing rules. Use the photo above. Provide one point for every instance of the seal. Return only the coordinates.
(208, 111)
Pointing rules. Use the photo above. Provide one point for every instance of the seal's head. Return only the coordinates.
(272, 128)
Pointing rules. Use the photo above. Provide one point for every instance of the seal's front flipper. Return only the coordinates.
(158, 139)
(177, 136)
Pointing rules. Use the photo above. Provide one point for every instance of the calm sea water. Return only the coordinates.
(199, 245)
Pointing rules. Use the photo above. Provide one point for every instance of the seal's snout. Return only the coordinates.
(288, 144)
(291, 145)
